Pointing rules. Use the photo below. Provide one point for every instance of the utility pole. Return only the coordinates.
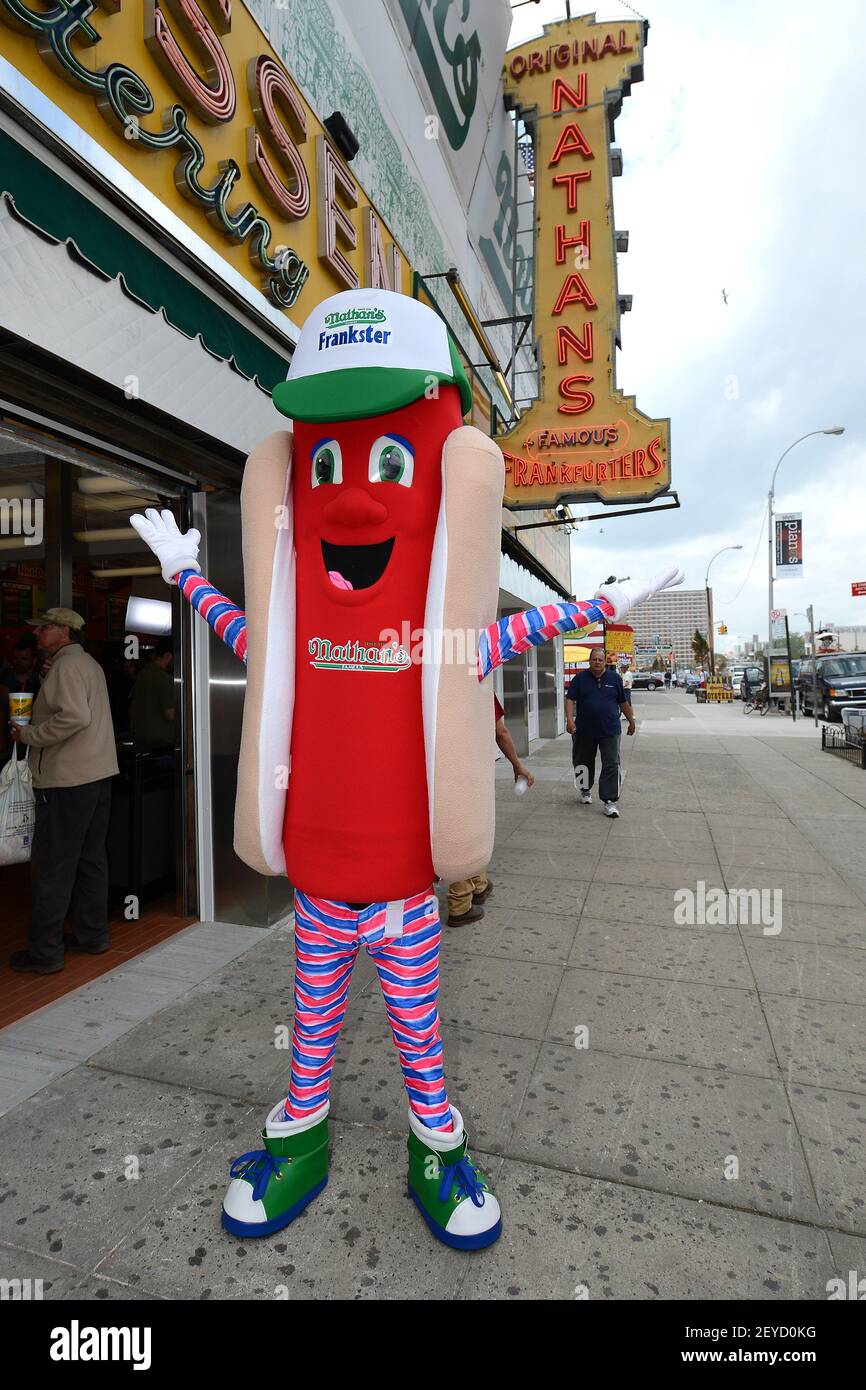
(790, 670)
(810, 614)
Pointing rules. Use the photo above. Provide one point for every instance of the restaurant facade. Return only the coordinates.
(179, 185)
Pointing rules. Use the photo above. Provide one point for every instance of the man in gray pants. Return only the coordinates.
(593, 703)
(73, 759)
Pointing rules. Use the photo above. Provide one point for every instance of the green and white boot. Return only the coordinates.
(447, 1187)
(271, 1186)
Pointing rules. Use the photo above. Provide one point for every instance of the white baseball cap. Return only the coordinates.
(367, 352)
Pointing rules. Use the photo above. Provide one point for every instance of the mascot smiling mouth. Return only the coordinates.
(356, 566)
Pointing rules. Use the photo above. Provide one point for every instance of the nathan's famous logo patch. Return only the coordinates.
(354, 316)
(354, 327)
(356, 656)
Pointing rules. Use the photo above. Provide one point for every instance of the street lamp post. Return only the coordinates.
(834, 429)
(710, 605)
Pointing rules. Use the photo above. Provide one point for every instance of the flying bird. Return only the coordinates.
(725, 296)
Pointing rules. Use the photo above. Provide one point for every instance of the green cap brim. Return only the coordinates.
(358, 392)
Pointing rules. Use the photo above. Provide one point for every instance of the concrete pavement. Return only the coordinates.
(667, 1111)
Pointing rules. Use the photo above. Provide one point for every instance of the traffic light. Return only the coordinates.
(722, 629)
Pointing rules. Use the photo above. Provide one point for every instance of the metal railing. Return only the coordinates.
(844, 744)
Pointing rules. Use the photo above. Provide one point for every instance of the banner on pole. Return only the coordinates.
(789, 545)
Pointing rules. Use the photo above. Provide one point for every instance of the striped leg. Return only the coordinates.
(326, 944)
(408, 968)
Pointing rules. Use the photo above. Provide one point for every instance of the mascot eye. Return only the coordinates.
(327, 462)
(392, 460)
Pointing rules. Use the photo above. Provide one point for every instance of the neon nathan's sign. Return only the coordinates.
(583, 438)
(634, 465)
(124, 98)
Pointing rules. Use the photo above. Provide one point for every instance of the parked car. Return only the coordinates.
(756, 680)
(756, 676)
(841, 680)
(648, 680)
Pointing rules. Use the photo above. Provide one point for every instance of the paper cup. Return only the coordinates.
(20, 707)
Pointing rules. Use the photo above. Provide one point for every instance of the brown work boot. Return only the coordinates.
(462, 919)
(479, 898)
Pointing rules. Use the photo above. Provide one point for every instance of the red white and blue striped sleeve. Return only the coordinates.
(510, 636)
(227, 620)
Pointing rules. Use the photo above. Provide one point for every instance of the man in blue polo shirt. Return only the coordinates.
(593, 703)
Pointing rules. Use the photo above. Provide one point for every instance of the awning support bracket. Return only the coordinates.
(600, 516)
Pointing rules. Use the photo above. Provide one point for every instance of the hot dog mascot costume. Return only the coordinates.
(371, 536)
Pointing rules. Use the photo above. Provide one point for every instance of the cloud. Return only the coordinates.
(766, 409)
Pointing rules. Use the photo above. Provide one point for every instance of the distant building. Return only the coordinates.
(667, 623)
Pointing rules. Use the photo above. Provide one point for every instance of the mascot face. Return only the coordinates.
(366, 500)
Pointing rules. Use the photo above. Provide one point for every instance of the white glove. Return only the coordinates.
(629, 592)
(175, 551)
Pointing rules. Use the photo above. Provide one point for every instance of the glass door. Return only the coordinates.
(532, 693)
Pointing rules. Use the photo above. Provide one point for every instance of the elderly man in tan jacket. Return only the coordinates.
(73, 759)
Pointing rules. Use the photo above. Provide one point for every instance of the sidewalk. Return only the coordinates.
(705, 1044)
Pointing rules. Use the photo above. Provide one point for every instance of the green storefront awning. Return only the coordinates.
(45, 200)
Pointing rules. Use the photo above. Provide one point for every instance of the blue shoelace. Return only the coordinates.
(258, 1164)
(465, 1175)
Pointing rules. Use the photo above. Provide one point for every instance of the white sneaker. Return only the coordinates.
(610, 809)
(586, 798)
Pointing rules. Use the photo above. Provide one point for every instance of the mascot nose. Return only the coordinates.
(354, 507)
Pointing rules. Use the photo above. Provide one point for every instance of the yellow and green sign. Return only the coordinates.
(583, 438)
(195, 103)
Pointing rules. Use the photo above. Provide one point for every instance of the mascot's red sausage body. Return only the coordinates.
(357, 820)
(371, 537)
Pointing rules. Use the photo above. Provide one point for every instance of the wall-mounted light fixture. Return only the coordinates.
(151, 615)
(342, 135)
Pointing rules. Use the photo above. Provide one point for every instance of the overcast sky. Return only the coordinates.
(744, 172)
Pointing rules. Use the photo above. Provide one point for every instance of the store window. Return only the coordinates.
(65, 540)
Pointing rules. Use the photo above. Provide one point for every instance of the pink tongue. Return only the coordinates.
(338, 581)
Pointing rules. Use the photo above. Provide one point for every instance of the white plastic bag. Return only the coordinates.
(17, 810)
